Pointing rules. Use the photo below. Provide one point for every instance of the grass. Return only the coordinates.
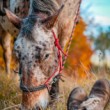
(10, 94)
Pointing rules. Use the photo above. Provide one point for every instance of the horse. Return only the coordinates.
(7, 30)
(40, 48)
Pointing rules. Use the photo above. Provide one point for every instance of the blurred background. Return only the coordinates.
(89, 55)
(90, 49)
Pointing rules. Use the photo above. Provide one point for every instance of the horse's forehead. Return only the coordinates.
(38, 38)
(41, 35)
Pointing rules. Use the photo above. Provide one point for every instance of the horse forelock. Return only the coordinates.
(28, 25)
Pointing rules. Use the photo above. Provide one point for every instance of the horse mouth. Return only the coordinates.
(35, 100)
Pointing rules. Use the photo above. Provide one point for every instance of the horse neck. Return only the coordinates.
(60, 1)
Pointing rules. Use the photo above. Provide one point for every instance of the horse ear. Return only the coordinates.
(16, 21)
(50, 21)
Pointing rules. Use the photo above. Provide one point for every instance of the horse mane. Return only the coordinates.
(45, 6)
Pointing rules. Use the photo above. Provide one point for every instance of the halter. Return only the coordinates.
(61, 63)
(57, 71)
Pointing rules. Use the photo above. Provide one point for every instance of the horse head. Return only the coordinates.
(38, 49)
(37, 54)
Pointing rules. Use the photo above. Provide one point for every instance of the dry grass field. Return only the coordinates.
(10, 94)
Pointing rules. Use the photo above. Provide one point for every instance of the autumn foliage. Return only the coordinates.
(80, 52)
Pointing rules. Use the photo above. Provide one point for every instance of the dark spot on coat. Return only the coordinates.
(34, 65)
(30, 62)
(56, 61)
(23, 58)
(37, 48)
(44, 44)
(18, 47)
(37, 56)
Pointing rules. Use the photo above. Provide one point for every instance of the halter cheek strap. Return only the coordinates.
(32, 89)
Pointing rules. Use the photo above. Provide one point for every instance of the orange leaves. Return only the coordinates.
(80, 51)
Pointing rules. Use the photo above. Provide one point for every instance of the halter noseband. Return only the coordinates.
(51, 78)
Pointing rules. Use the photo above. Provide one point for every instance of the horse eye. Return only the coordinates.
(46, 56)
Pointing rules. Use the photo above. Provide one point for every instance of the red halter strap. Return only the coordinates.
(60, 63)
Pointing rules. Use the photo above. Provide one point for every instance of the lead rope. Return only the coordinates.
(71, 37)
(60, 63)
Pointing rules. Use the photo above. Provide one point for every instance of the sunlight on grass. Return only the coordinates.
(10, 94)
(9, 91)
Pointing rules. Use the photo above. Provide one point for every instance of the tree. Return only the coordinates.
(102, 42)
(80, 51)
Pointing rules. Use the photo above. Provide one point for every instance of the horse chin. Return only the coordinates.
(35, 101)
(43, 100)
